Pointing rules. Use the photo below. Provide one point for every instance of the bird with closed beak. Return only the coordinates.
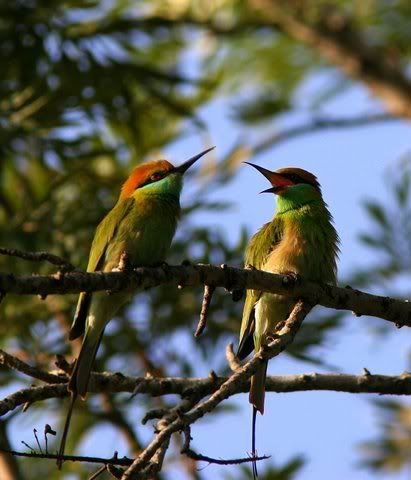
(300, 241)
(140, 227)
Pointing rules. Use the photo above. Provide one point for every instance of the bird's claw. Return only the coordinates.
(278, 327)
(271, 338)
(162, 264)
(237, 294)
(291, 279)
(123, 263)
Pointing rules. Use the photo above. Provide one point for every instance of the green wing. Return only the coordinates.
(105, 232)
(258, 249)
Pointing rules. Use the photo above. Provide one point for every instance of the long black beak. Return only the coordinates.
(277, 180)
(270, 190)
(267, 173)
(186, 165)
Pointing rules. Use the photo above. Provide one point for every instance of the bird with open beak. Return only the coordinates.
(301, 241)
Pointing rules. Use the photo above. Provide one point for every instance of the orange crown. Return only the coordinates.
(141, 174)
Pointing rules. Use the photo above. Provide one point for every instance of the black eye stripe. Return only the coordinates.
(152, 178)
(295, 178)
(156, 176)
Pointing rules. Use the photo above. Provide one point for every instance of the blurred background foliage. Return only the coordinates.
(90, 88)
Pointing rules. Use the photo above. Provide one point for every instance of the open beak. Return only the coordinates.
(277, 181)
(186, 165)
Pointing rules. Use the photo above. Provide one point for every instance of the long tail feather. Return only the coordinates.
(82, 369)
(253, 449)
(257, 388)
(65, 431)
(79, 382)
(256, 398)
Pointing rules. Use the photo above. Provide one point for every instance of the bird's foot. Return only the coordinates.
(123, 264)
(237, 294)
(162, 264)
(291, 279)
(279, 326)
(271, 338)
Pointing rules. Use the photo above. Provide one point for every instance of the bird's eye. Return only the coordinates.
(295, 178)
(156, 176)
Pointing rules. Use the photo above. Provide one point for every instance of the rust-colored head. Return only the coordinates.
(154, 171)
(144, 174)
(286, 177)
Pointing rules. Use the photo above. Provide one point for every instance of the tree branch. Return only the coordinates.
(202, 396)
(178, 419)
(115, 383)
(327, 31)
(198, 457)
(38, 257)
(71, 458)
(207, 296)
(10, 361)
(335, 38)
(192, 390)
(361, 303)
(318, 125)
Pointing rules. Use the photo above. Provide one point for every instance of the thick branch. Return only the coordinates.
(396, 311)
(380, 384)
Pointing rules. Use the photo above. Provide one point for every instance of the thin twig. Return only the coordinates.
(232, 359)
(98, 472)
(186, 450)
(221, 461)
(71, 458)
(114, 471)
(319, 125)
(48, 431)
(38, 257)
(37, 440)
(207, 296)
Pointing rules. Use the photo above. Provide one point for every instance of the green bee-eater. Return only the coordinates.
(140, 226)
(300, 240)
